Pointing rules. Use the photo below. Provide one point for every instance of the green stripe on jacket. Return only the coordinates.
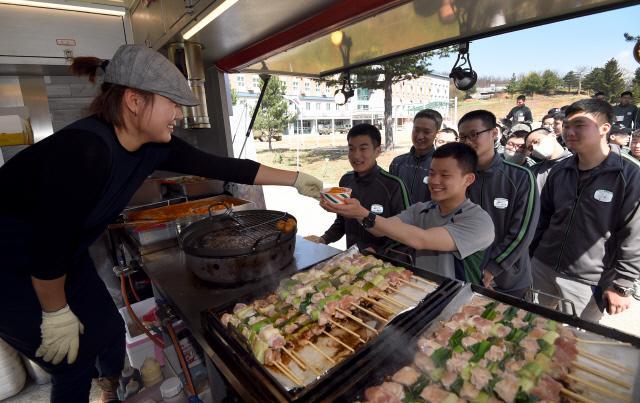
(527, 217)
(403, 189)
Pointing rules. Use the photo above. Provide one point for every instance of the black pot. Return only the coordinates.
(238, 247)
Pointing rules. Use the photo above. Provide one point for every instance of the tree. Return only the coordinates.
(580, 72)
(531, 83)
(550, 82)
(594, 80)
(613, 82)
(513, 86)
(385, 74)
(635, 86)
(234, 96)
(274, 113)
(570, 80)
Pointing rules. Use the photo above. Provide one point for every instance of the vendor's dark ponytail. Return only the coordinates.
(86, 66)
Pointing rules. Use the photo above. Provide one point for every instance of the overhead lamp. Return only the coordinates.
(106, 10)
(213, 14)
(342, 95)
(464, 78)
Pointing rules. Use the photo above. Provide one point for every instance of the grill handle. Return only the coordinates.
(387, 250)
(531, 293)
(227, 207)
(278, 234)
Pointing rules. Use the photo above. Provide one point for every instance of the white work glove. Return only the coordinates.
(308, 185)
(60, 336)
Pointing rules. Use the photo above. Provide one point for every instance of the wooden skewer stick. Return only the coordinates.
(603, 361)
(355, 318)
(575, 396)
(287, 372)
(601, 374)
(315, 371)
(294, 358)
(379, 304)
(599, 389)
(420, 279)
(338, 340)
(404, 294)
(603, 342)
(334, 323)
(368, 312)
(410, 284)
(325, 355)
(391, 300)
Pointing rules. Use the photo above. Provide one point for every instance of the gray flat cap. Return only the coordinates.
(137, 66)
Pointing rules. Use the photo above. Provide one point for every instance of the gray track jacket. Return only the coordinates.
(585, 232)
(508, 193)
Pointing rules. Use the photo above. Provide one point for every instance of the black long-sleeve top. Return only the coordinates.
(60, 194)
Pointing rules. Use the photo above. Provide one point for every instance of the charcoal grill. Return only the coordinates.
(237, 247)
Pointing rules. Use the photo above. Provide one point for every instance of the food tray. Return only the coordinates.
(174, 218)
(614, 346)
(274, 386)
(194, 186)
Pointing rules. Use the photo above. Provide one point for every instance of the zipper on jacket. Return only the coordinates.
(564, 240)
(413, 179)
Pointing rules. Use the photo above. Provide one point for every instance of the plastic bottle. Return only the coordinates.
(171, 390)
(150, 372)
(132, 388)
(125, 377)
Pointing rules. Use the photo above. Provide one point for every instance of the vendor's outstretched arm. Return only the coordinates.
(273, 176)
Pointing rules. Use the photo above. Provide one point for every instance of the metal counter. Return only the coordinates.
(189, 296)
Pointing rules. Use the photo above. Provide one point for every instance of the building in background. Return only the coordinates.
(318, 113)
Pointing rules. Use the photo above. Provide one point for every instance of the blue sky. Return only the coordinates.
(587, 41)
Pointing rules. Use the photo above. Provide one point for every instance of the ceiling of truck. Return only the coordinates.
(408, 27)
(295, 37)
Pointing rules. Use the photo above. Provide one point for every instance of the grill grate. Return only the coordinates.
(241, 230)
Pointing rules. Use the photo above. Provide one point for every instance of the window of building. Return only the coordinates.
(307, 86)
(240, 81)
(328, 106)
(295, 85)
(318, 106)
(318, 89)
(256, 82)
(308, 105)
(363, 107)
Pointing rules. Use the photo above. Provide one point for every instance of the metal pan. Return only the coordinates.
(627, 353)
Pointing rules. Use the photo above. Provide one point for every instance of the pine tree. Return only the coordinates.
(385, 74)
(635, 86)
(274, 113)
(594, 80)
(570, 80)
(550, 82)
(612, 80)
(513, 86)
(531, 83)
